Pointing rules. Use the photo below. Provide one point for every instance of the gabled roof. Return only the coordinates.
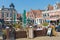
(35, 13)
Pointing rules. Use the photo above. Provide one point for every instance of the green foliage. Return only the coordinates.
(17, 25)
(4, 31)
(14, 25)
(45, 24)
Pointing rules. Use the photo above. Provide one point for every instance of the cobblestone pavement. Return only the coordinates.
(43, 38)
(0, 37)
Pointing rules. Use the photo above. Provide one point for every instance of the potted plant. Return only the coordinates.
(45, 24)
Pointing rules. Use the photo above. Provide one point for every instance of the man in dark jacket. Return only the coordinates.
(12, 33)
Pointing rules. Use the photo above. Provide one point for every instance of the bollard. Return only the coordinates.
(7, 33)
(30, 32)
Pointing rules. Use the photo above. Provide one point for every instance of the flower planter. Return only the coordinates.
(38, 33)
(21, 34)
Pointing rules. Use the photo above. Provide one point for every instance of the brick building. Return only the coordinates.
(52, 14)
(35, 16)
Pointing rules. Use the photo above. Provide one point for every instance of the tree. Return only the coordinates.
(45, 24)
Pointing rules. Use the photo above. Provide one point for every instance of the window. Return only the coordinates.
(2, 14)
(35, 21)
(44, 15)
(7, 15)
(40, 20)
(47, 14)
(10, 14)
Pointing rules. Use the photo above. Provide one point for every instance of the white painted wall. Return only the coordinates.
(38, 21)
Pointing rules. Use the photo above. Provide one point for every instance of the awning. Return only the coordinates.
(47, 20)
(53, 19)
(11, 20)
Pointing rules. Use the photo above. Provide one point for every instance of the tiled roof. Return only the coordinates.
(35, 13)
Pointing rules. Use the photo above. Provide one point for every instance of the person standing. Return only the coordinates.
(7, 33)
(12, 33)
(3, 34)
(53, 30)
(30, 32)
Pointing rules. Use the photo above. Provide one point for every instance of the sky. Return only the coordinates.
(21, 5)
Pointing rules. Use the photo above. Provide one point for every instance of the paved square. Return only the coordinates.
(43, 38)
